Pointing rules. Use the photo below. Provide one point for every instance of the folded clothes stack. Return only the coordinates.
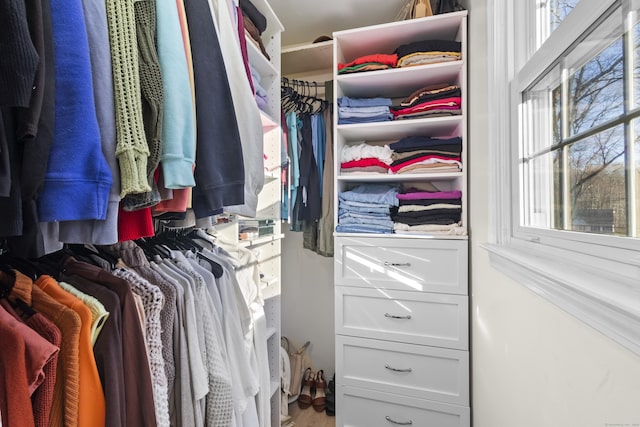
(438, 100)
(363, 110)
(428, 52)
(367, 209)
(365, 158)
(433, 212)
(261, 93)
(376, 61)
(420, 154)
(254, 24)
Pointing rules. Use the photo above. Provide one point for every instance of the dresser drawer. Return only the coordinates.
(357, 407)
(429, 265)
(420, 318)
(413, 370)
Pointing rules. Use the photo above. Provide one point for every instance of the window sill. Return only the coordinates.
(607, 301)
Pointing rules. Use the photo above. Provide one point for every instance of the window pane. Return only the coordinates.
(635, 39)
(635, 165)
(558, 10)
(595, 89)
(597, 184)
(539, 174)
(542, 107)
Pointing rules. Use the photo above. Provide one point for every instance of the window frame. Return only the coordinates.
(596, 278)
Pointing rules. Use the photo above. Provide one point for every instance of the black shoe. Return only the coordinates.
(331, 398)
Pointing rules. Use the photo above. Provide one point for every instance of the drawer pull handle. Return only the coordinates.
(392, 316)
(398, 370)
(397, 264)
(400, 423)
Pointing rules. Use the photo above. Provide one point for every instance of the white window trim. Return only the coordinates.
(602, 291)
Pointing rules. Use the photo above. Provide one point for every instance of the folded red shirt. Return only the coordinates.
(381, 58)
(369, 161)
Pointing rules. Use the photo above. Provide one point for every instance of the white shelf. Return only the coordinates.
(259, 61)
(404, 236)
(307, 58)
(271, 332)
(400, 177)
(275, 386)
(396, 129)
(271, 291)
(385, 38)
(398, 82)
(261, 240)
(268, 123)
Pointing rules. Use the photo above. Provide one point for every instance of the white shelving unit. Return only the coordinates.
(268, 248)
(402, 332)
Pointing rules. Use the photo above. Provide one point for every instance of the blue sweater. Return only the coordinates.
(78, 179)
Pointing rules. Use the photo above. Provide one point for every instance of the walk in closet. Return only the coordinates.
(140, 267)
(401, 294)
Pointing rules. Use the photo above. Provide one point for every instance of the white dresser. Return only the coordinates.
(402, 332)
(401, 301)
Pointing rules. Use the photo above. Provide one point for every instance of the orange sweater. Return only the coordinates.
(64, 410)
(91, 410)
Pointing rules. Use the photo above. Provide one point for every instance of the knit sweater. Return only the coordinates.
(64, 409)
(42, 398)
(132, 150)
(77, 172)
(152, 96)
(19, 56)
(15, 404)
(135, 259)
(153, 301)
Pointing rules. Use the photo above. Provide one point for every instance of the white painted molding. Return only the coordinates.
(610, 311)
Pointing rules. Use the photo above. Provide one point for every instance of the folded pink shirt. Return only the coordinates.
(417, 195)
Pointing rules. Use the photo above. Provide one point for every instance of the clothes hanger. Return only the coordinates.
(184, 242)
(24, 266)
(86, 254)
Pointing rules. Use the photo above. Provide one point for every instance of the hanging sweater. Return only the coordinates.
(77, 173)
(99, 232)
(132, 150)
(152, 301)
(91, 407)
(140, 410)
(35, 132)
(178, 131)
(219, 172)
(151, 87)
(15, 404)
(20, 59)
(245, 107)
(64, 409)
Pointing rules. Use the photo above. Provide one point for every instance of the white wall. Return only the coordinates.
(533, 364)
(307, 301)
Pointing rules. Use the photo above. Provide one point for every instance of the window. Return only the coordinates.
(567, 152)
